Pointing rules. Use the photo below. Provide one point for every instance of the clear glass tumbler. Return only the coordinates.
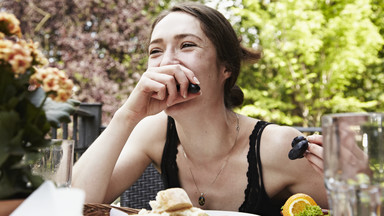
(354, 163)
(55, 162)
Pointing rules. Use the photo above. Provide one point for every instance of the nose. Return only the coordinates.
(169, 58)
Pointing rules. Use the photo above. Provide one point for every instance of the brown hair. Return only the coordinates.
(228, 47)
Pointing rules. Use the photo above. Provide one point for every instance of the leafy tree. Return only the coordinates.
(100, 43)
(319, 57)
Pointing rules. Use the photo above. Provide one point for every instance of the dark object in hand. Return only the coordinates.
(299, 146)
(192, 88)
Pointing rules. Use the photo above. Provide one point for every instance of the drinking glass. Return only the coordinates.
(354, 163)
(55, 162)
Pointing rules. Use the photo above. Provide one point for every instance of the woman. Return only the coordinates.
(223, 160)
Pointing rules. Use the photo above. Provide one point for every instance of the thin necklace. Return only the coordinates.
(202, 197)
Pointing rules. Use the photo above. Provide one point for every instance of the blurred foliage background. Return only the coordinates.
(318, 56)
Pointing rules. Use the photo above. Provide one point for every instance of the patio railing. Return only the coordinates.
(84, 128)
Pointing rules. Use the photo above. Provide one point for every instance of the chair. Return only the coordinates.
(144, 190)
(86, 127)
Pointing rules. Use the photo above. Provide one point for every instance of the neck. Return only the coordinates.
(208, 138)
(202, 197)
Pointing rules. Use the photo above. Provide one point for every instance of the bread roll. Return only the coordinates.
(172, 202)
(172, 199)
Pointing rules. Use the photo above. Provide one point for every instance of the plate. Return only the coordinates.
(227, 213)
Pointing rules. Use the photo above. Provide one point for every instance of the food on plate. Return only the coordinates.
(311, 211)
(301, 204)
(172, 202)
(172, 199)
(299, 147)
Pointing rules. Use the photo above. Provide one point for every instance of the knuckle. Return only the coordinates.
(175, 67)
(184, 82)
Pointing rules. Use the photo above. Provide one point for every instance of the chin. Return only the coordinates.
(182, 109)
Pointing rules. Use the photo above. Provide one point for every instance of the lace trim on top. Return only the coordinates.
(256, 199)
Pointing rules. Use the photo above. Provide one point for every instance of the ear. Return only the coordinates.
(225, 72)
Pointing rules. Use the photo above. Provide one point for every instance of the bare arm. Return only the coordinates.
(141, 149)
(93, 171)
(155, 91)
(289, 176)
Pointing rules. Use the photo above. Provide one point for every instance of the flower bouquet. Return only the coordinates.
(33, 98)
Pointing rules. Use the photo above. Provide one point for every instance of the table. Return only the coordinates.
(96, 209)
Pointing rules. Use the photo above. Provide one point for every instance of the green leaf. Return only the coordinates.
(317, 57)
(18, 183)
(10, 134)
(37, 97)
(58, 112)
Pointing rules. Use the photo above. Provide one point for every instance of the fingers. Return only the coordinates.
(314, 162)
(182, 99)
(315, 138)
(167, 78)
(315, 157)
(183, 76)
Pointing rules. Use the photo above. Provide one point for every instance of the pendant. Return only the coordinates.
(201, 199)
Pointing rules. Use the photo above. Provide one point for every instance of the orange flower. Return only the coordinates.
(9, 24)
(20, 59)
(54, 82)
(21, 56)
(37, 55)
(5, 49)
(62, 95)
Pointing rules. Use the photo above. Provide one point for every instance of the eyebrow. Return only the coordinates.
(179, 36)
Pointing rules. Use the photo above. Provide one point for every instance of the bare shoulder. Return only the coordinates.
(152, 125)
(283, 174)
(275, 145)
(279, 137)
(149, 135)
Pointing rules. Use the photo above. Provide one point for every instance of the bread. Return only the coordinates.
(172, 202)
(172, 199)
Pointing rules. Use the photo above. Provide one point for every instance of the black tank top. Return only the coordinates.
(256, 199)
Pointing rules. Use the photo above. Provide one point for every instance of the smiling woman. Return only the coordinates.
(223, 160)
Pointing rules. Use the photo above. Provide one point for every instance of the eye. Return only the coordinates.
(154, 51)
(187, 44)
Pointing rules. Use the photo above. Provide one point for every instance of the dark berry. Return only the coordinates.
(294, 154)
(192, 88)
(297, 139)
(300, 146)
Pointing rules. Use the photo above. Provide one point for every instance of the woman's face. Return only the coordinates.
(179, 39)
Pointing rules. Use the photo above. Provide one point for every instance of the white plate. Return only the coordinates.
(227, 213)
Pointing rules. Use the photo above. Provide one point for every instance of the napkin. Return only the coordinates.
(116, 212)
(47, 200)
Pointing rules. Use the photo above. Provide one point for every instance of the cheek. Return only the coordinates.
(153, 62)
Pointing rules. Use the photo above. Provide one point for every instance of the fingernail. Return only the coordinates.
(185, 95)
(196, 80)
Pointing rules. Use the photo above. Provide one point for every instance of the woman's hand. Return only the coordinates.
(156, 90)
(315, 152)
(351, 155)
